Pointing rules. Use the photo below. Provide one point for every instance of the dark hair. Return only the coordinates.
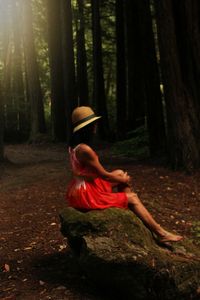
(84, 135)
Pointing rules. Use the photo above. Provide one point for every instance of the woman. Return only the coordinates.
(92, 185)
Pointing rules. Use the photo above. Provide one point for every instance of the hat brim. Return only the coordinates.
(78, 127)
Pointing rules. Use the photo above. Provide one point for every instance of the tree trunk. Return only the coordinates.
(18, 85)
(1, 96)
(121, 71)
(68, 64)
(154, 107)
(82, 79)
(188, 40)
(58, 105)
(136, 95)
(34, 88)
(1, 126)
(7, 87)
(7, 66)
(182, 144)
(99, 89)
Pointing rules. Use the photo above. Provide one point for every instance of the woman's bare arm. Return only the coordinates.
(88, 157)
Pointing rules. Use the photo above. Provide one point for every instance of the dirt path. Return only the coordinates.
(32, 190)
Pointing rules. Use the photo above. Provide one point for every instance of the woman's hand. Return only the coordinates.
(121, 176)
(126, 177)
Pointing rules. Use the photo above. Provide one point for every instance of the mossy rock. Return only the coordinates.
(117, 251)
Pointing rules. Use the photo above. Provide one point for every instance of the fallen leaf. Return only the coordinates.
(61, 247)
(42, 292)
(5, 268)
(19, 261)
(61, 287)
(28, 248)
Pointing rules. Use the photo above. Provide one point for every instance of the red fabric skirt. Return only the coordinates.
(96, 194)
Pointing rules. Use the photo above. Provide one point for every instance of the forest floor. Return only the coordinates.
(38, 261)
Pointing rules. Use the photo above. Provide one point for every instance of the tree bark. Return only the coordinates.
(182, 144)
(70, 91)
(187, 28)
(154, 107)
(34, 87)
(1, 126)
(82, 79)
(1, 98)
(18, 85)
(99, 89)
(7, 66)
(58, 105)
(136, 95)
(121, 71)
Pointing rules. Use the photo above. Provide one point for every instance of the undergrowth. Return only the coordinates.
(136, 146)
(196, 231)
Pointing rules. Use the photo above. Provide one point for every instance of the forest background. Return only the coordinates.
(135, 62)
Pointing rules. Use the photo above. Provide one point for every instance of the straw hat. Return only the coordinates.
(82, 116)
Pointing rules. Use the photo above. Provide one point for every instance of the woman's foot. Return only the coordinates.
(166, 237)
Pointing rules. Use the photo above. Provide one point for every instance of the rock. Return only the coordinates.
(117, 251)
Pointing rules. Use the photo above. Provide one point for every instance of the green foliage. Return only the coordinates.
(135, 147)
(47, 113)
(196, 231)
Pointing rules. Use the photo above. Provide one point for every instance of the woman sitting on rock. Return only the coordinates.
(92, 185)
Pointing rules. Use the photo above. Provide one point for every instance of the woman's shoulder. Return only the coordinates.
(84, 149)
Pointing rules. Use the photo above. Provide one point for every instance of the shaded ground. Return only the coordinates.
(32, 189)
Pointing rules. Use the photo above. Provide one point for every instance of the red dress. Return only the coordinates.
(94, 193)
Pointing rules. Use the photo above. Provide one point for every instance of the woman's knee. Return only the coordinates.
(133, 198)
(118, 172)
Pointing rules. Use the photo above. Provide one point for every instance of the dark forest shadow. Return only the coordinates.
(62, 269)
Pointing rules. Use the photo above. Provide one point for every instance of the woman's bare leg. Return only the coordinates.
(138, 208)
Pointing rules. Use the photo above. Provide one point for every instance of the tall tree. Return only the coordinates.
(58, 106)
(136, 95)
(99, 89)
(187, 28)
(82, 79)
(154, 107)
(7, 63)
(121, 70)
(1, 126)
(34, 87)
(70, 91)
(18, 85)
(182, 142)
(2, 43)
